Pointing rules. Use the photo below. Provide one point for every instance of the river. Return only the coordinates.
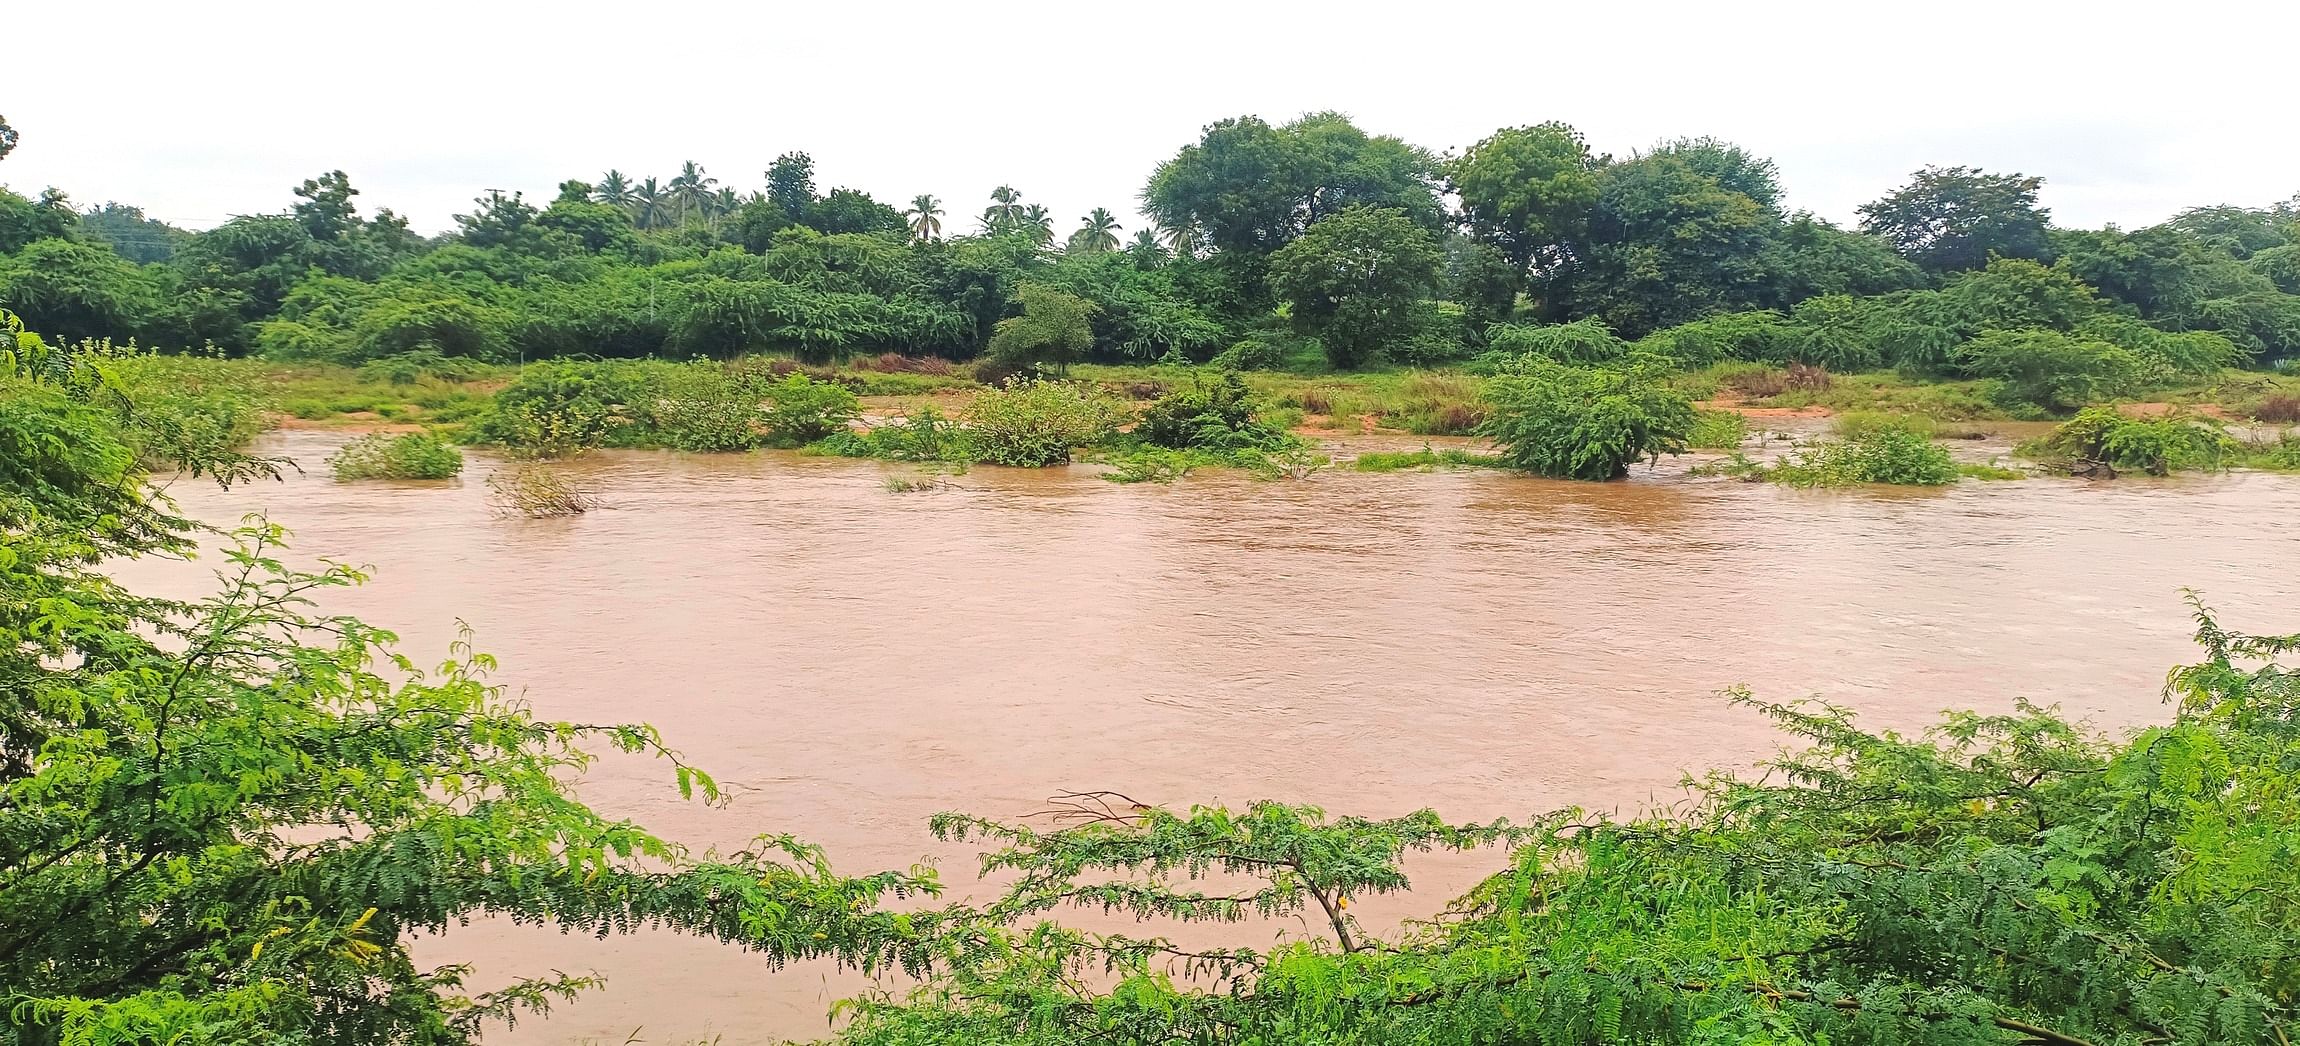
(849, 660)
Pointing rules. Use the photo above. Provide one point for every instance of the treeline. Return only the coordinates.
(1277, 245)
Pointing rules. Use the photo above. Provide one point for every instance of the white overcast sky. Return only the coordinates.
(202, 111)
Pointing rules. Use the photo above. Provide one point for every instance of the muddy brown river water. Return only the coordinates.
(848, 660)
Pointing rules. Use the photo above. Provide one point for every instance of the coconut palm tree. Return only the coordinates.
(1038, 223)
(1146, 242)
(925, 216)
(691, 189)
(613, 190)
(1097, 233)
(1180, 239)
(1004, 212)
(725, 202)
(649, 203)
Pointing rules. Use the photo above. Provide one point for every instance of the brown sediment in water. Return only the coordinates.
(848, 662)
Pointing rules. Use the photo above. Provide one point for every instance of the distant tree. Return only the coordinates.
(1053, 327)
(650, 204)
(613, 189)
(691, 191)
(1357, 281)
(1528, 191)
(134, 235)
(1004, 212)
(1949, 219)
(925, 216)
(499, 221)
(852, 210)
(1146, 243)
(1248, 186)
(1097, 233)
(327, 212)
(8, 137)
(1668, 242)
(24, 220)
(1036, 222)
(791, 184)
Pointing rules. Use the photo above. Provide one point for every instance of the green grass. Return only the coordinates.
(1425, 458)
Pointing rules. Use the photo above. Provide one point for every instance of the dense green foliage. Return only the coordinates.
(2002, 878)
(2100, 441)
(1584, 423)
(1263, 234)
(413, 455)
(222, 819)
(1890, 454)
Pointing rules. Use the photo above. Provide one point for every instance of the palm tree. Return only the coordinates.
(1005, 210)
(925, 216)
(614, 190)
(691, 189)
(1146, 242)
(726, 201)
(1036, 221)
(1097, 233)
(649, 202)
(1180, 239)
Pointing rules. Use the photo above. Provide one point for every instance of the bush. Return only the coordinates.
(1054, 327)
(1425, 458)
(1592, 424)
(415, 455)
(1717, 430)
(925, 435)
(1251, 354)
(1753, 381)
(407, 368)
(801, 410)
(537, 492)
(1036, 423)
(1862, 423)
(2278, 408)
(2048, 369)
(1221, 414)
(2099, 441)
(1579, 342)
(1884, 455)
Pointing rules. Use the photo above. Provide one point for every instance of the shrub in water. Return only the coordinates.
(1717, 430)
(802, 410)
(1221, 414)
(2099, 441)
(1885, 455)
(1035, 424)
(415, 455)
(537, 492)
(1585, 423)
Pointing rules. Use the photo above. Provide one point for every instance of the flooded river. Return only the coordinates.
(848, 660)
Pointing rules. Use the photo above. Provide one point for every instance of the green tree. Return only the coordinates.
(1528, 191)
(614, 189)
(1097, 233)
(1247, 186)
(791, 184)
(1053, 327)
(1949, 219)
(690, 191)
(8, 138)
(650, 204)
(1590, 423)
(925, 217)
(1358, 281)
(1669, 242)
(131, 233)
(2052, 370)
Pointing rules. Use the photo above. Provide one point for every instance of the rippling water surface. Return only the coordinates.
(848, 661)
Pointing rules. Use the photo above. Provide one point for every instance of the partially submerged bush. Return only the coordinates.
(1033, 424)
(2102, 442)
(536, 491)
(1576, 423)
(1896, 456)
(414, 455)
(801, 410)
(923, 435)
(1426, 458)
(1217, 414)
(2052, 370)
(1717, 430)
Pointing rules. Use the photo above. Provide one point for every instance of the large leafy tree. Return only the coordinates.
(1247, 186)
(791, 184)
(1948, 219)
(1528, 191)
(1358, 281)
(1670, 241)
